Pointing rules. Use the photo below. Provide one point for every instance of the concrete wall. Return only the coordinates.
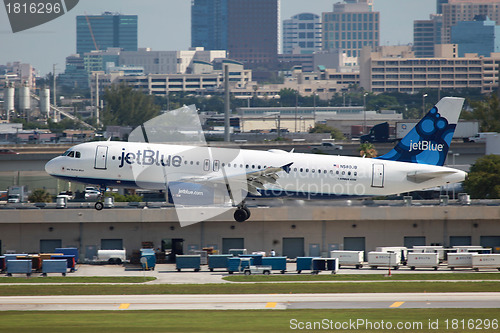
(22, 230)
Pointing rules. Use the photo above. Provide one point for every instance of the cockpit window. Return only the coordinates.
(66, 153)
(71, 154)
(77, 154)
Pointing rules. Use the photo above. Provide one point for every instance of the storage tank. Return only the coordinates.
(24, 98)
(45, 101)
(9, 99)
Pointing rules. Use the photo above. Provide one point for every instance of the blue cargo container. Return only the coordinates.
(70, 261)
(68, 251)
(188, 261)
(257, 258)
(218, 261)
(148, 259)
(233, 264)
(276, 263)
(54, 266)
(304, 263)
(18, 267)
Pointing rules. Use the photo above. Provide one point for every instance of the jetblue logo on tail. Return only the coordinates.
(429, 141)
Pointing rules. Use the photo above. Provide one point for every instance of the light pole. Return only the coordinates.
(423, 104)
(364, 113)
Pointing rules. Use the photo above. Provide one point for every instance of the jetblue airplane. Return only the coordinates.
(194, 175)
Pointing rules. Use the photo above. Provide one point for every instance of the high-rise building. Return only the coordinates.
(351, 26)
(480, 36)
(209, 24)
(248, 30)
(302, 34)
(439, 6)
(455, 11)
(426, 34)
(99, 32)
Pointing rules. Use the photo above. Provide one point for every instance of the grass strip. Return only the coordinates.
(413, 320)
(250, 288)
(78, 279)
(363, 277)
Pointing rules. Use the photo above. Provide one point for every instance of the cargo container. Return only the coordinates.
(257, 258)
(440, 250)
(401, 249)
(111, 256)
(148, 259)
(188, 262)
(18, 267)
(485, 261)
(384, 259)
(68, 251)
(459, 260)
(203, 255)
(423, 260)
(349, 258)
(54, 266)
(237, 252)
(276, 263)
(325, 264)
(304, 263)
(218, 261)
(70, 259)
(476, 249)
(36, 261)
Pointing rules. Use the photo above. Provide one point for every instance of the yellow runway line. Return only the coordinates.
(271, 305)
(124, 306)
(396, 304)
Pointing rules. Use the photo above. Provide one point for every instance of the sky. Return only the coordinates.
(166, 25)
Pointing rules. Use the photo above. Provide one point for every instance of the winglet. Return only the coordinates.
(286, 167)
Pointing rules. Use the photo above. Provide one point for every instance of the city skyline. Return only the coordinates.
(52, 42)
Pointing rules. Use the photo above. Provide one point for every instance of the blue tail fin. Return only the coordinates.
(429, 141)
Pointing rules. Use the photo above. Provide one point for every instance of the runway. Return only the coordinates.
(252, 301)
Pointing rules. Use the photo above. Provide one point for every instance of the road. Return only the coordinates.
(245, 301)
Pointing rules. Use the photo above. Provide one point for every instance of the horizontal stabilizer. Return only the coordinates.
(420, 177)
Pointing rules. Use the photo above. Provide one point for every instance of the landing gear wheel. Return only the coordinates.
(248, 212)
(99, 205)
(240, 215)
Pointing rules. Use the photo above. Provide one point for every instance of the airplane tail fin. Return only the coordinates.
(429, 141)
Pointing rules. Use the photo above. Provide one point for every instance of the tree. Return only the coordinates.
(40, 195)
(323, 128)
(484, 178)
(128, 107)
(487, 111)
(367, 150)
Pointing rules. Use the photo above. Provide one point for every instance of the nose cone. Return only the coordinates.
(51, 166)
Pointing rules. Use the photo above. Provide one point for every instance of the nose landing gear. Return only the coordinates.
(241, 214)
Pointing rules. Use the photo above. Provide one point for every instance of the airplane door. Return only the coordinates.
(377, 175)
(101, 154)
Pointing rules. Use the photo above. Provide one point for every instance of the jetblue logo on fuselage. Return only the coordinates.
(149, 157)
(425, 145)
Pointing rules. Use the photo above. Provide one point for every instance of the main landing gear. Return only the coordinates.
(99, 205)
(242, 213)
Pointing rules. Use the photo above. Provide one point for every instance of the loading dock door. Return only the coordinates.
(460, 240)
(377, 175)
(354, 244)
(491, 241)
(232, 243)
(293, 247)
(101, 154)
(49, 245)
(111, 244)
(411, 241)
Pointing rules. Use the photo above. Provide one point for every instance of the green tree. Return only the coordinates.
(487, 111)
(367, 149)
(40, 195)
(288, 97)
(323, 128)
(127, 107)
(484, 178)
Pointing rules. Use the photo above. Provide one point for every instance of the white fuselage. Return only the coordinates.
(154, 166)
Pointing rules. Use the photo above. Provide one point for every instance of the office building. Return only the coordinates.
(395, 69)
(455, 11)
(302, 34)
(351, 26)
(426, 34)
(209, 24)
(481, 36)
(99, 32)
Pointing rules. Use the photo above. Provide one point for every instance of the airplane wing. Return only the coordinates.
(254, 180)
(420, 177)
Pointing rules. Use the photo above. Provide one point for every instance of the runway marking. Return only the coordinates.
(396, 304)
(124, 306)
(271, 305)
